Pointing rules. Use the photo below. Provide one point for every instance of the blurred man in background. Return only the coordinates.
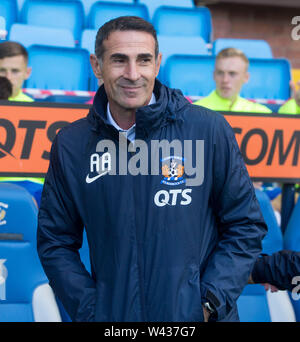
(14, 66)
(230, 74)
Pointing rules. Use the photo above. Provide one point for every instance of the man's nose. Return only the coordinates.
(8, 75)
(132, 73)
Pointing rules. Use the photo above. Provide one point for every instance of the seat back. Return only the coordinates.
(58, 68)
(273, 241)
(9, 11)
(176, 21)
(252, 48)
(171, 45)
(18, 213)
(269, 79)
(88, 42)
(25, 295)
(193, 75)
(29, 35)
(22, 281)
(101, 12)
(54, 13)
(87, 4)
(152, 5)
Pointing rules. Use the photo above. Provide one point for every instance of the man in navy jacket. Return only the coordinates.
(159, 185)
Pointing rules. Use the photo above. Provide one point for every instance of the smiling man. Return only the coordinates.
(161, 249)
(230, 74)
(14, 66)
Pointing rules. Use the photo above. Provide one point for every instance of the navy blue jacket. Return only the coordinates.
(159, 248)
(278, 269)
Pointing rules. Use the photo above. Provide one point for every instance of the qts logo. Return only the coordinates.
(26, 134)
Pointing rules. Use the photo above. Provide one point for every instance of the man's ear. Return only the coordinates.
(95, 66)
(247, 76)
(158, 62)
(28, 72)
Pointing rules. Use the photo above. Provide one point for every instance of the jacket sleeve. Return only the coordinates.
(278, 269)
(241, 227)
(59, 237)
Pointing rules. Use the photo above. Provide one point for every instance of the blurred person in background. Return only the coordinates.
(277, 271)
(14, 66)
(292, 106)
(230, 74)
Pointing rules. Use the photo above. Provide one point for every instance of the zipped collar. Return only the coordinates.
(168, 106)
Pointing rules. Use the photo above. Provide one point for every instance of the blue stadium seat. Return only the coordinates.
(176, 21)
(87, 4)
(18, 212)
(8, 10)
(171, 45)
(291, 241)
(88, 42)
(254, 304)
(88, 39)
(29, 35)
(192, 74)
(25, 295)
(54, 13)
(101, 12)
(269, 79)
(152, 5)
(273, 241)
(58, 68)
(252, 48)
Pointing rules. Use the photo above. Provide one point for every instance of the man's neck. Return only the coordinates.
(231, 99)
(126, 118)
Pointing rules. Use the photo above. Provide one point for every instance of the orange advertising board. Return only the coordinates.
(270, 144)
(26, 135)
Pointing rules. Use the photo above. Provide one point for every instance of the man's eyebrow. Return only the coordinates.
(145, 55)
(118, 55)
(123, 56)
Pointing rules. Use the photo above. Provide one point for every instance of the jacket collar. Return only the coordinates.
(167, 108)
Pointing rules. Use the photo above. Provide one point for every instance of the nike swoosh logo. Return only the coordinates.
(91, 180)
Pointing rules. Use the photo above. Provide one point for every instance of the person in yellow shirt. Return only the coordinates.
(14, 66)
(230, 74)
(292, 106)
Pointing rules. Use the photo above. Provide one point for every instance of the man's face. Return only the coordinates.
(128, 69)
(16, 70)
(230, 74)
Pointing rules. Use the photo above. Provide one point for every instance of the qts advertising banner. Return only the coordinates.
(269, 143)
(26, 135)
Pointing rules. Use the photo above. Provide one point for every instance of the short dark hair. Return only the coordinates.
(125, 23)
(12, 49)
(6, 88)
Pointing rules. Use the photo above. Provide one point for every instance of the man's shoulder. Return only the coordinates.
(21, 97)
(251, 106)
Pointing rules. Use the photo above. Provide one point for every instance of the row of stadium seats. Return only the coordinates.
(70, 15)
(26, 296)
(193, 74)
